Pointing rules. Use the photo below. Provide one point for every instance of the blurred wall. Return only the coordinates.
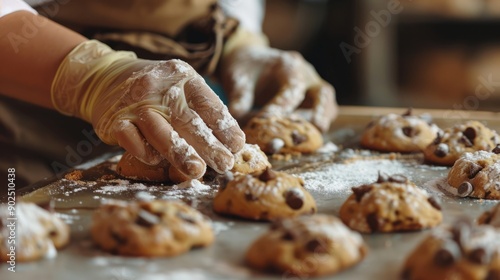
(425, 53)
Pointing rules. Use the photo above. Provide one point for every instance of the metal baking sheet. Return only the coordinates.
(329, 176)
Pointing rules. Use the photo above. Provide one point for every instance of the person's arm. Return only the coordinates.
(150, 108)
(31, 49)
(280, 81)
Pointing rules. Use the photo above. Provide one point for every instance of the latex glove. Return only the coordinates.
(252, 73)
(153, 109)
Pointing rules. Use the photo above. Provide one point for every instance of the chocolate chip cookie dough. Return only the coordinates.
(399, 133)
(391, 204)
(462, 251)
(462, 138)
(264, 196)
(283, 135)
(490, 217)
(306, 246)
(477, 175)
(38, 232)
(250, 159)
(150, 228)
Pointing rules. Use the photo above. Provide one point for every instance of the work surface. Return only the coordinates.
(329, 176)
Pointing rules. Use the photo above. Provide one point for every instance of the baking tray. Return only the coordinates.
(329, 176)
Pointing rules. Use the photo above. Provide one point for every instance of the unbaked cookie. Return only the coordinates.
(306, 246)
(461, 252)
(477, 175)
(283, 135)
(490, 217)
(264, 196)
(150, 228)
(391, 204)
(38, 233)
(462, 138)
(250, 159)
(399, 133)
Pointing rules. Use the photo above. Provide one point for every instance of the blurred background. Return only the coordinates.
(421, 53)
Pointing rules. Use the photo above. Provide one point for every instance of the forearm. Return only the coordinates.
(31, 50)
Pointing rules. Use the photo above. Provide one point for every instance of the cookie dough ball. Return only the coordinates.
(476, 175)
(132, 168)
(454, 142)
(283, 135)
(389, 205)
(264, 196)
(38, 232)
(399, 133)
(150, 228)
(490, 217)
(250, 159)
(307, 246)
(462, 252)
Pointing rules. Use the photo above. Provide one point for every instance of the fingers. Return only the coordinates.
(129, 138)
(240, 87)
(324, 107)
(161, 135)
(214, 113)
(193, 129)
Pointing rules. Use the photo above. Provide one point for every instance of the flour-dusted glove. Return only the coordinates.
(252, 72)
(153, 109)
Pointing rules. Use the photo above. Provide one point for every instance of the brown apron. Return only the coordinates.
(39, 142)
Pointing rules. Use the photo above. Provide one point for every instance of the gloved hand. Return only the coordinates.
(252, 73)
(153, 109)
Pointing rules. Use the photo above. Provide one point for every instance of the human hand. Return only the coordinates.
(153, 109)
(282, 81)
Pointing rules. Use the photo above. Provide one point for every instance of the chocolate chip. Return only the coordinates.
(360, 191)
(464, 140)
(434, 202)
(53, 233)
(496, 150)
(316, 246)
(298, 138)
(465, 189)
(470, 133)
(250, 197)
(146, 219)
(474, 168)
(288, 236)
(246, 156)
(118, 238)
(372, 221)
(408, 131)
(493, 274)
(448, 254)
(438, 138)
(408, 113)
(267, 175)
(185, 217)
(479, 256)
(382, 177)
(442, 150)
(398, 178)
(275, 145)
(406, 274)
(294, 198)
(370, 124)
